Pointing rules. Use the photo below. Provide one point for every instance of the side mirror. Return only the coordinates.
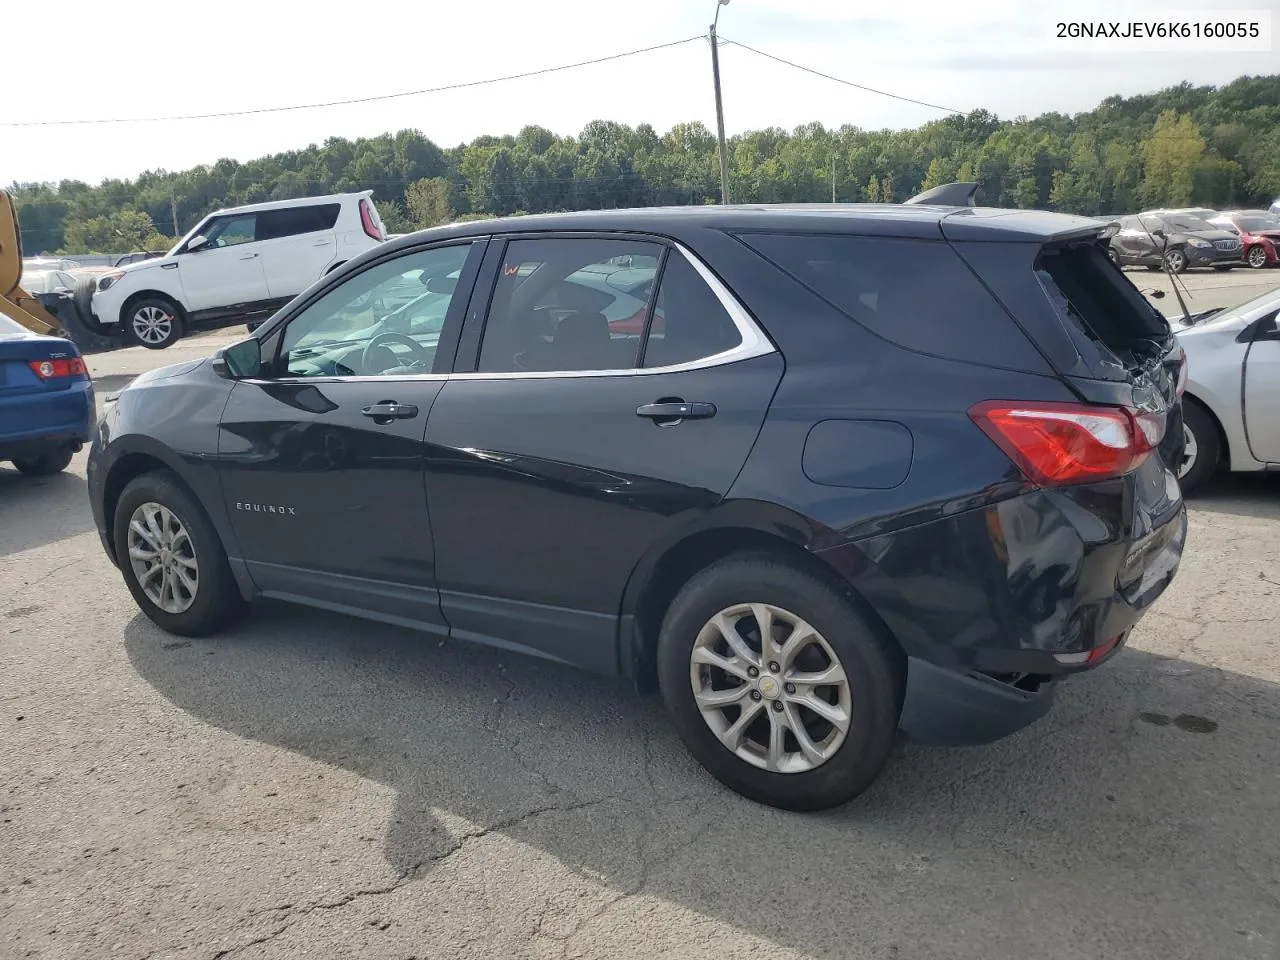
(1159, 234)
(197, 243)
(62, 291)
(240, 360)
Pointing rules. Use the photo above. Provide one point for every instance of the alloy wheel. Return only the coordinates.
(1190, 451)
(163, 558)
(1177, 262)
(152, 324)
(770, 687)
(1257, 257)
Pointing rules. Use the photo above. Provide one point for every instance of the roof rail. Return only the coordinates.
(958, 194)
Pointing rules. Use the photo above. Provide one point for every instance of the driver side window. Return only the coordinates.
(232, 231)
(383, 321)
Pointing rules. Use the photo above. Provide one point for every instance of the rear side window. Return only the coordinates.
(564, 304)
(916, 293)
(273, 224)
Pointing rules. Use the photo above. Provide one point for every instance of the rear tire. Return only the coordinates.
(153, 322)
(45, 465)
(163, 525)
(1202, 454)
(829, 768)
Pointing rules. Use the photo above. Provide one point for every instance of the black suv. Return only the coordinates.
(819, 473)
(1181, 240)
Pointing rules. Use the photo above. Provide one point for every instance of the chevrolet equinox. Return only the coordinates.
(819, 474)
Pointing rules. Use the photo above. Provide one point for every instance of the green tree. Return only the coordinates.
(873, 189)
(429, 202)
(124, 231)
(1171, 155)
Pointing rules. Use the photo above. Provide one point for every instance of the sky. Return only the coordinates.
(82, 60)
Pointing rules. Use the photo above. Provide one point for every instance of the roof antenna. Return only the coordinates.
(958, 194)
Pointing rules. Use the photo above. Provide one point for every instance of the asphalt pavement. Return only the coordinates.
(306, 785)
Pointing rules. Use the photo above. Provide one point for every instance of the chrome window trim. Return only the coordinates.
(754, 343)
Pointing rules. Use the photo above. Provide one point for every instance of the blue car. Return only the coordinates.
(46, 400)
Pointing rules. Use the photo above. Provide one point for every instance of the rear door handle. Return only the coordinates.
(321, 243)
(388, 410)
(248, 256)
(672, 411)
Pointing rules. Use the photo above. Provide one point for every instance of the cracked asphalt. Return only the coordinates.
(306, 785)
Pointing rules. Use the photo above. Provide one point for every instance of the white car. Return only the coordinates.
(1231, 408)
(235, 263)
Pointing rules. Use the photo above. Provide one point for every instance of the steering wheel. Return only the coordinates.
(420, 354)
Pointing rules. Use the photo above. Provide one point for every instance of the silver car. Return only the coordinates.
(1231, 408)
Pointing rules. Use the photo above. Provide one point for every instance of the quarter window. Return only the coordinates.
(384, 321)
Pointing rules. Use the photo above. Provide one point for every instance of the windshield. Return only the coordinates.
(38, 281)
(1267, 300)
(1184, 221)
(1257, 224)
(11, 329)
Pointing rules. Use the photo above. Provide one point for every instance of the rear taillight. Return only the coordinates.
(1059, 443)
(64, 367)
(367, 221)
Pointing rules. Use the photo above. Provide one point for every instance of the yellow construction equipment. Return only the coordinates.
(16, 303)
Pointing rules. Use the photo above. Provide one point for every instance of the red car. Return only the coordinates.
(1259, 235)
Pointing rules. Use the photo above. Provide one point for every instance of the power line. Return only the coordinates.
(847, 83)
(343, 103)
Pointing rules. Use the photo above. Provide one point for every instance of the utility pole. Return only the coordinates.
(715, 74)
(833, 178)
(173, 209)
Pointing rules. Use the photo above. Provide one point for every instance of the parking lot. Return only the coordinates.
(310, 786)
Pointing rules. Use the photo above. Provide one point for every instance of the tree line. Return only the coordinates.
(1185, 145)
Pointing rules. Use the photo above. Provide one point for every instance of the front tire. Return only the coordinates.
(1202, 451)
(44, 465)
(153, 322)
(1257, 257)
(1176, 260)
(171, 558)
(777, 685)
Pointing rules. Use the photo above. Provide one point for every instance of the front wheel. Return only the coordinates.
(153, 322)
(1176, 261)
(44, 465)
(171, 558)
(777, 685)
(1257, 257)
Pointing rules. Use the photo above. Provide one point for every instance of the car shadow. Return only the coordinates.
(1151, 794)
(38, 511)
(1254, 495)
